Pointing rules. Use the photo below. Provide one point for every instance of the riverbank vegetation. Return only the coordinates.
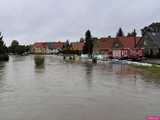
(152, 70)
(17, 49)
(3, 50)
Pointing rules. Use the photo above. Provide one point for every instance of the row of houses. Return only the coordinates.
(55, 47)
(150, 42)
(46, 47)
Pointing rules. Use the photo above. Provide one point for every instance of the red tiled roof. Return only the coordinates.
(104, 43)
(129, 42)
(77, 46)
(108, 43)
(57, 45)
(39, 45)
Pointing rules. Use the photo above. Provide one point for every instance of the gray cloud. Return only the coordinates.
(51, 20)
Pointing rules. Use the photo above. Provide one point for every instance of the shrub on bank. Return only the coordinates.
(4, 57)
(3, 50)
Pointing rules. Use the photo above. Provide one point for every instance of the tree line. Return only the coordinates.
(154, 28)
(16, 48)
(3, 50)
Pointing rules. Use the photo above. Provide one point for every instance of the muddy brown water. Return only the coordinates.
(58, 90)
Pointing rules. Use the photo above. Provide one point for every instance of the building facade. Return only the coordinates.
(47, 47)
(106, 45)
(151, 43)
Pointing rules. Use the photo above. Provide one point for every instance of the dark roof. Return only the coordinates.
(155, 37)
(49, 45)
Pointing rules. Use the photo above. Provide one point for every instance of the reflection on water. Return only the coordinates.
(47, 88)
(2, 73)
(39, 62)
(89, 71)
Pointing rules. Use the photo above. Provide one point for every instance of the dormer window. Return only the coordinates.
(116, 45)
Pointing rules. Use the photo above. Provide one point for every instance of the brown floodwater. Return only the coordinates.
(51, 89)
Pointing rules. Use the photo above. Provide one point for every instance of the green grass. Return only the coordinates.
(154, 70)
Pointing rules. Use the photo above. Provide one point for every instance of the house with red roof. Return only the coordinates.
(54, 47)
(46, 47)
(77, 46)
(58, 45)
(39, 48)
(126, 42)
(105, 45)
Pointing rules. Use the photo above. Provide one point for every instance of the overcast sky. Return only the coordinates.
(29, 21)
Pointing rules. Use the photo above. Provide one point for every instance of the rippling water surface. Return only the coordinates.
(58, 90)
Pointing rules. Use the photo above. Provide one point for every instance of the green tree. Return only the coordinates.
(2, 45)
(14, 43)
(20, 49)
(120, 33)
(154, 27)
(3, 50)
(66, 45)
(88, 46)
(66, 49)
(132, 34)
(14, 46)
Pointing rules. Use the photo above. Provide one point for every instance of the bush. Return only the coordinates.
(4, 57)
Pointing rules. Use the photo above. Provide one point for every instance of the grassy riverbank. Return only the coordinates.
(153, 70)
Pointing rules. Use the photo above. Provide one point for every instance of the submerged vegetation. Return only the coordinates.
(39, 61)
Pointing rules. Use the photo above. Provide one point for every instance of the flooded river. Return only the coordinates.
(58, 90)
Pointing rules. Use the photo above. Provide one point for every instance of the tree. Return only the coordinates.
(120, 33)
(66, 48)
(132, 34)
(20, 49)
(154, 27)
(14, 43)
(66, 45)
(88, 46)
(15, 48)
(3, 50)
(2, 45)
